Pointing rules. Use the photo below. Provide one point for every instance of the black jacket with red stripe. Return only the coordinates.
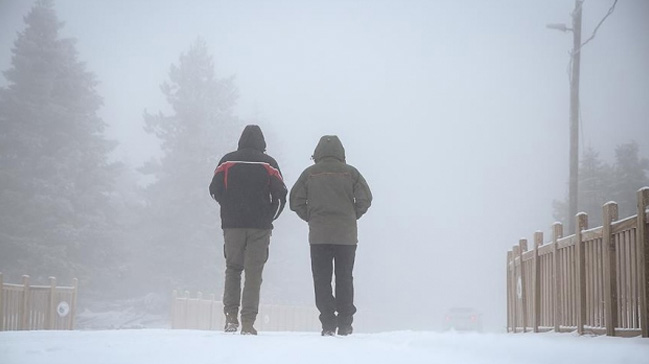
(248, 184)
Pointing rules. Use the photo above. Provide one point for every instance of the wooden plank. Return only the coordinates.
(24, 311)
(581, 224)
(523, 248)
(591, 234)
(73, 304)
(601, 309)
(180, 312)
(588, 259)
(527, 255)
(174, 309)
(633, 250)
(547, 274)
(212, 312)
(627, 333)
(51, 307)
(189, 311)
(624, 224)
(557, 233)
(546, 249)
(567, 241)
(620, 280)
(568, 302)
(516, 251)
(2, 309)
(536, 283)
(509, 292)
(198, 310)
(216, 317)
(642, 243)
(610, 212)
(564, 255)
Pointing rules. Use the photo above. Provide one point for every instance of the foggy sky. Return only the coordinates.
(455, 112)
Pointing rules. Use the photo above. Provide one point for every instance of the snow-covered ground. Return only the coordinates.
(162, 346)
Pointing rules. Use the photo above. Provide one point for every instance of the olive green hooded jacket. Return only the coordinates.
(331, 195)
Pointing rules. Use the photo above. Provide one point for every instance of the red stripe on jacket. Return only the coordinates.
(225, 166)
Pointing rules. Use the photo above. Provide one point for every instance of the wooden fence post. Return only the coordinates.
(198, 311)
(211, 318)
(557, 232)
(536, 283)
(51, 310)
(610, 214)
(516, 252)
(581, 224)
(174, 311)
(523, 248)
(187, 322)
(24, 319)
(510, 299)
(2, 311)
(73, 309)
(642, 241)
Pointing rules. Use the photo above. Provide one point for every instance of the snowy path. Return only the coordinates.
(197, 347)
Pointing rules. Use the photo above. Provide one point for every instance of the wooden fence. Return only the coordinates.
(207, 314)
(595, 281)
(27, 307)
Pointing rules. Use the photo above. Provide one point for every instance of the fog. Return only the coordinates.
(456, 113)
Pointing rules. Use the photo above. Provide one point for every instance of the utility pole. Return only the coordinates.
(573, 188)
(575, 60)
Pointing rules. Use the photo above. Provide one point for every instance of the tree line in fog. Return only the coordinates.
(601, 182)
(68, 211)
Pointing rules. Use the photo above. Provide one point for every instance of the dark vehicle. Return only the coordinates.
(463, 319)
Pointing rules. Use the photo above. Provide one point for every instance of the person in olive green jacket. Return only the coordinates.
(331, 196)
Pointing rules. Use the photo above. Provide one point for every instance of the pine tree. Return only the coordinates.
(55, 181)
(600, 183)
(181, 217)
(560, 211)
(630, 175)
(595, 179)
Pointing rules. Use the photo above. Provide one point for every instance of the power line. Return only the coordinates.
(610, 11)
(581, 4)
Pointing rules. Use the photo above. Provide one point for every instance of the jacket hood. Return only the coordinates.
(252, 137)
(329, 146)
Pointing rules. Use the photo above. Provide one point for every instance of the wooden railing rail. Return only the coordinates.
(594, 281)
(37, 307)
(207, 314)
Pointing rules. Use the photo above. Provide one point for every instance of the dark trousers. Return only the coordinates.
(338, 310)
(246, 250)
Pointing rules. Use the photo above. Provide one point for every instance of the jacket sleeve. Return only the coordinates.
(298, 197)
(278, 193)
(362, 195)
(217, 186)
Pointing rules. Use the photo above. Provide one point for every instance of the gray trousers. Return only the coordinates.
(246, 250)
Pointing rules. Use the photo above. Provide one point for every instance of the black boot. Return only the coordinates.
(345, 330)
(231, 322)
(247, 328)
(345, 324)
(328, 333)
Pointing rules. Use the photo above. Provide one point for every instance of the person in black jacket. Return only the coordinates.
(249, 187)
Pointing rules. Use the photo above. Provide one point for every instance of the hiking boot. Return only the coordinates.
(231, 322)
(231, 327)
(248, 329)
(328, 333)
(345, 330)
